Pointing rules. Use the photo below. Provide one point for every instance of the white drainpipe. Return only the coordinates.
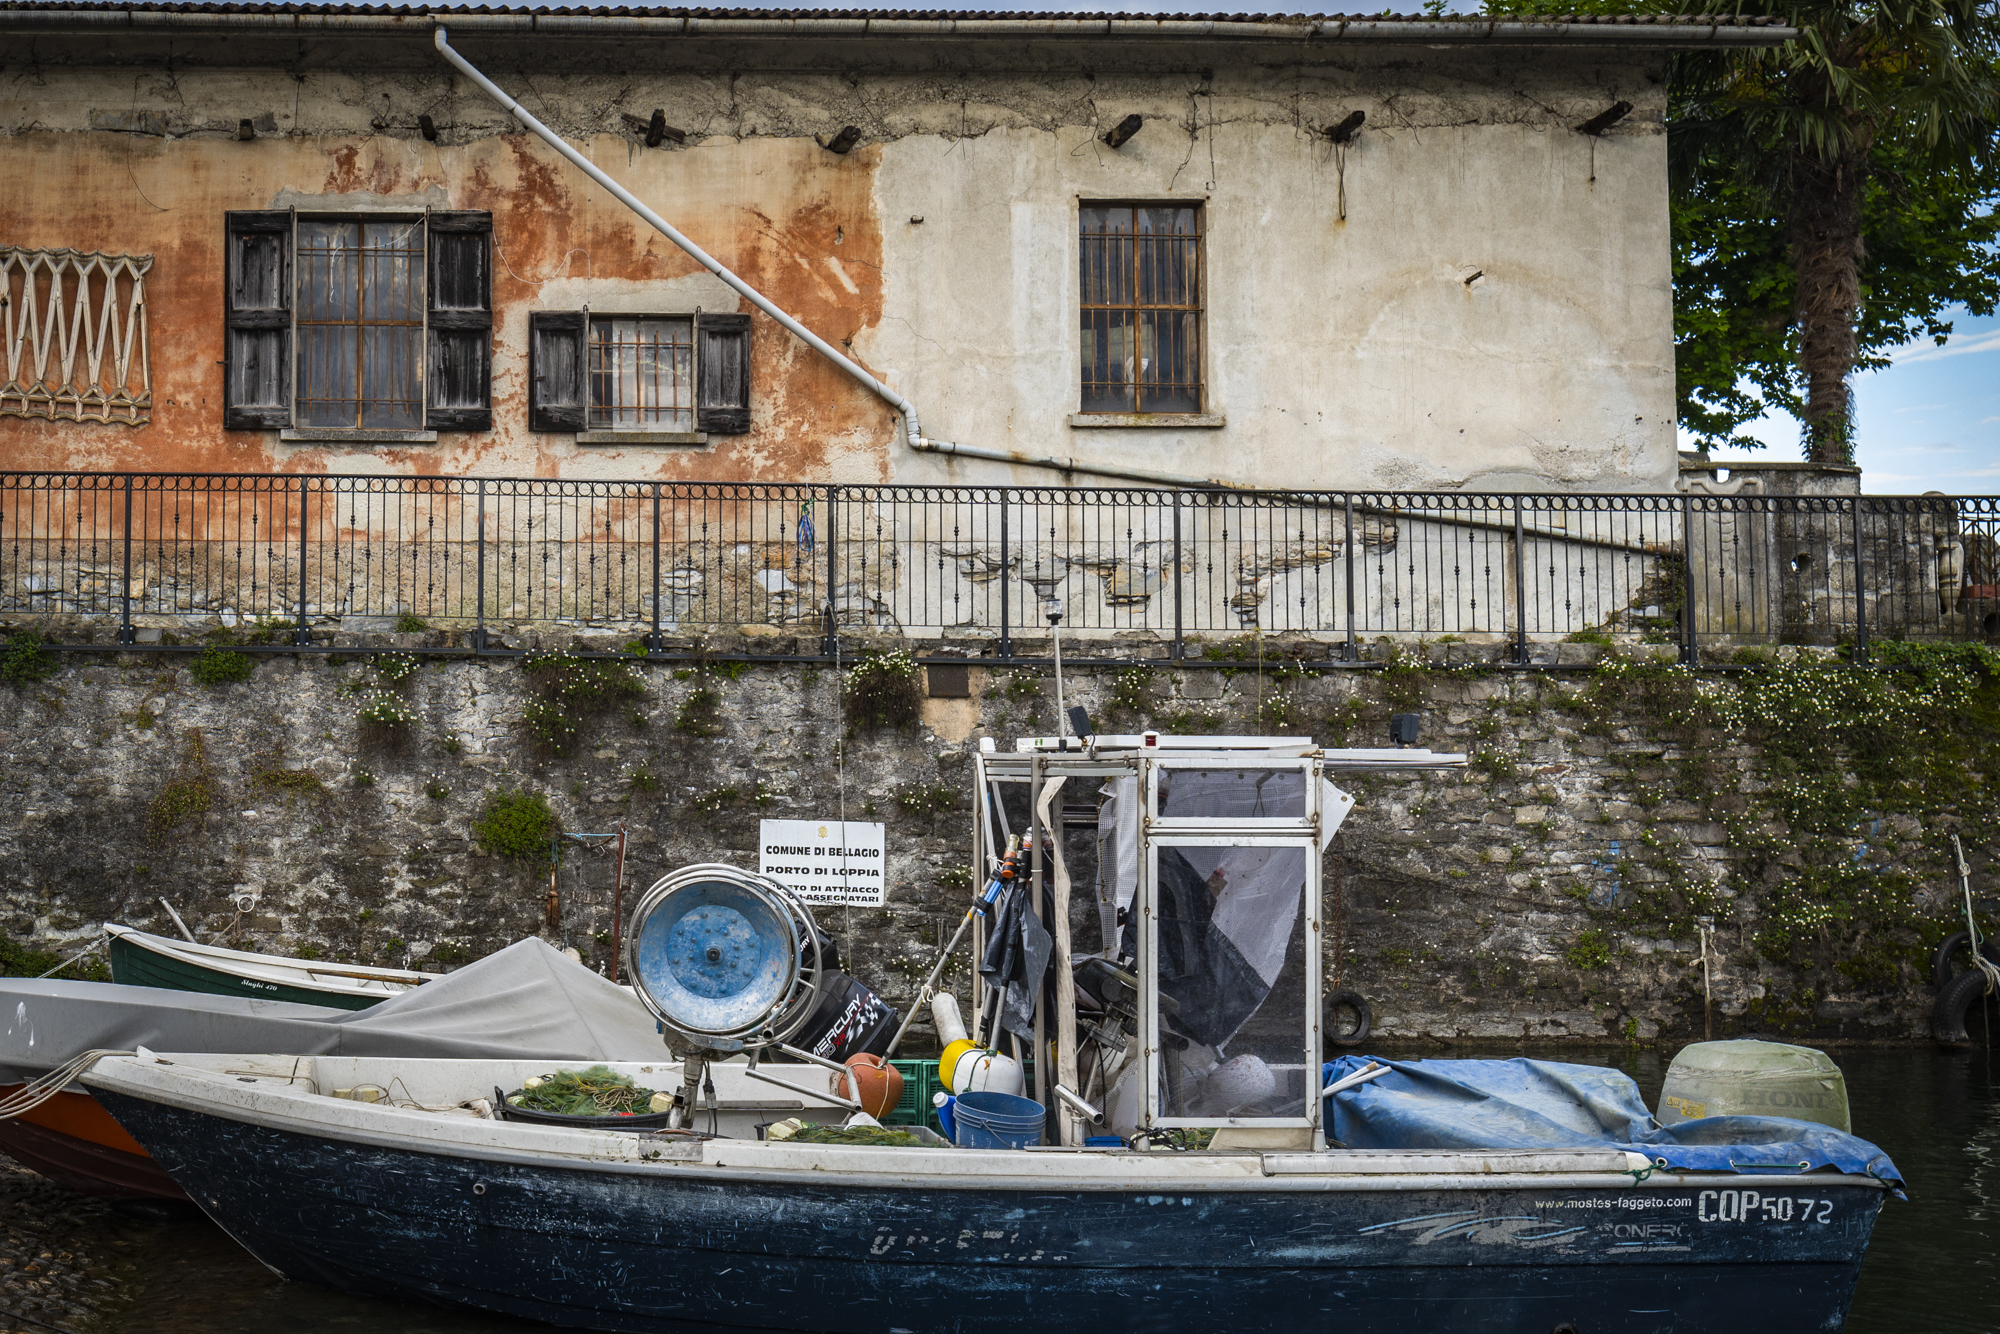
(912, 431)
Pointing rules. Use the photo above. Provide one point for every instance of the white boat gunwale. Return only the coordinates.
(275, 1101)
(338, 977)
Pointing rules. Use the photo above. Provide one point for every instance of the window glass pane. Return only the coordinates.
(642, 374)
(360, 318)
(1107, 362)
(1139, 293)
(1230, 948)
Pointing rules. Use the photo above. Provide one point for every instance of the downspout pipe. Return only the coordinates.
(912, 429)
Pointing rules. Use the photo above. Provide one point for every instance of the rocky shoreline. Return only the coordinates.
(59, 1258)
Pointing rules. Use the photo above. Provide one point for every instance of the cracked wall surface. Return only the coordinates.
(1469, 295)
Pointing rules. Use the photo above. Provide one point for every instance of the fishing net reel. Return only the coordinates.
(728, 961)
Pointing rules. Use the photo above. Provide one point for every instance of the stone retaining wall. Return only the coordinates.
(1550, 891)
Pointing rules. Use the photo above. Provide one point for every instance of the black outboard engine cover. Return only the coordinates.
(848, 1021)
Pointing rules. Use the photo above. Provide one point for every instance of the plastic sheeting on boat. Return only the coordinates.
(527, 1001)
(1529, 1104)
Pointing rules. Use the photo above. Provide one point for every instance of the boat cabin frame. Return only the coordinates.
(1306, 811)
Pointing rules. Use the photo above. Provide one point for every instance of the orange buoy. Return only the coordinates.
(881, 1084)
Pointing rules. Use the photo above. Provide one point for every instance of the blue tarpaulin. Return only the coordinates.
(1526, 1104)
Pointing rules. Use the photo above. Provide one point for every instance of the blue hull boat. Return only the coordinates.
(643, 1233)
(1208, 1172)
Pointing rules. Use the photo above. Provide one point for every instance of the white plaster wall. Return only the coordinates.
(1343, 353)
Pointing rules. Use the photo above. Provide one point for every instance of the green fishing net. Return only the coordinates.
(598, 1091)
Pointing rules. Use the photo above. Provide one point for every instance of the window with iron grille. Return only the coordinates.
(372, 323)
(664, 379)
(641, 374)
(1140, 297)
(360, 324)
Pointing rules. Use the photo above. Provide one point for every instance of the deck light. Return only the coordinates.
(1346, 130)
(1123, 130)
(428, 128)
(1605, 119)
(849, 136)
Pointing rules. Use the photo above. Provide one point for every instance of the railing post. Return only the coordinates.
(831, 645)
(1006, 624)
(1690, 647)
(1860, 590)
(1520, 586)
(479, 572)
(302, 636)
(653, 642)
(1353, 650)
(1180, 636)
(126, 634)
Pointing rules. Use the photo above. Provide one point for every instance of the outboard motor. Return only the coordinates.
(1746, 1077)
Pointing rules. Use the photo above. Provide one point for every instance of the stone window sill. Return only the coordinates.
(343, 435)
(1199, 421)
(642, 437)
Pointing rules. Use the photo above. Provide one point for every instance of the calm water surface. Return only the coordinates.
(1934, 1264)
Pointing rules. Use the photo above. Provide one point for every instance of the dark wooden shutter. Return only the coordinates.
(557, 400)
(722, 374)
(257, 321)
(460, 365)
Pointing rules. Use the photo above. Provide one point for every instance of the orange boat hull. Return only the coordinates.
(71, 1139)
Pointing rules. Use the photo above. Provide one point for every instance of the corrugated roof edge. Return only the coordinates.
(1451, 22)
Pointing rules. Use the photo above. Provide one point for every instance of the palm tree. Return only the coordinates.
(1801, 127)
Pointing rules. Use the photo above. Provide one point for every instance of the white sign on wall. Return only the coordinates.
(826, 861)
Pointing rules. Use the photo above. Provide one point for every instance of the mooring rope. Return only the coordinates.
(1979, 959)
(39, 1090)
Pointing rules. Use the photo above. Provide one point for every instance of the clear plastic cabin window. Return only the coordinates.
(1229, 942)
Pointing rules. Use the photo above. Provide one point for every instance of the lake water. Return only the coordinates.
(1933, 1266)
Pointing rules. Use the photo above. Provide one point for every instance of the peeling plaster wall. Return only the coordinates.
(1493, 310)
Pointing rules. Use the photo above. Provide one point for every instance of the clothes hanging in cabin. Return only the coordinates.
(1018, 948)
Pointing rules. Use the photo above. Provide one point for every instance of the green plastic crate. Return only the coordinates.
(914, 1107)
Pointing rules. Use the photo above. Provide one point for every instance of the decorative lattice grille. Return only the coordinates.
(74, 336)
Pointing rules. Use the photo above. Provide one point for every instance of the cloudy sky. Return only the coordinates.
(1930, 422)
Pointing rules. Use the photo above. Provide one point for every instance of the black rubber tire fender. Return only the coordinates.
(1364, 1019)
(1944, 964)
(1948, 1015)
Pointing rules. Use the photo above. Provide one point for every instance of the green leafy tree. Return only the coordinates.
(1833, 197)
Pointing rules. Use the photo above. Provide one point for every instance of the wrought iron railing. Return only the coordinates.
(305, 555)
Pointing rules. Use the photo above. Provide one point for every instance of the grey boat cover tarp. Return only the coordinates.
(528, 1002)
(1528, 1104)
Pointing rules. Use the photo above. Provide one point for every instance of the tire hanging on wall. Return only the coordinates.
(1364, 1019)
(1944, 962)
(1958, 997)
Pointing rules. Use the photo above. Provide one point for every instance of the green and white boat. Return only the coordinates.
(142, 960)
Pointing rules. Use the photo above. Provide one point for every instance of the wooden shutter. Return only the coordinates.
(557, 395)
(257, 321)
(460, 290)
(722, 374)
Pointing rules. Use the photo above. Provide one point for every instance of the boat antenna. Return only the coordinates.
(1052, 608)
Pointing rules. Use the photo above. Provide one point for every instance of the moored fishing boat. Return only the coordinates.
(144, 960)
(1207, 1165)
(649, 1232)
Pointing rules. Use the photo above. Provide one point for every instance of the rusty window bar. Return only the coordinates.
(641, 373)
(1140, 304)
(360, 324)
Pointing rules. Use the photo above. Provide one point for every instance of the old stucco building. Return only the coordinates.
(353, 260)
